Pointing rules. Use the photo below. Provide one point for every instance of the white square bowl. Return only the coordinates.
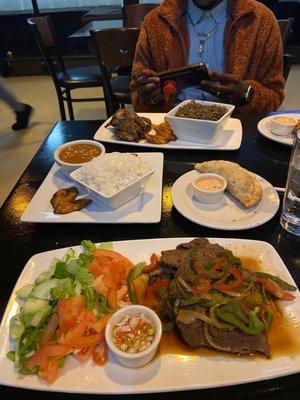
(198, 130)
(119, 198)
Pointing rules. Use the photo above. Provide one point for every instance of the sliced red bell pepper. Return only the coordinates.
(234, 284)
(275, 289)
(154, 260)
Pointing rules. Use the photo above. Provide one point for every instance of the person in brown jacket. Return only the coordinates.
(251, 76)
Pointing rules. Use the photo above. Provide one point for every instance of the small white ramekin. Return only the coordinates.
(68, 167)
(142, 358)
(278, 127)
(205, 196)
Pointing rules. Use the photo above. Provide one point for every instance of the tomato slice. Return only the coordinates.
(83, 334)
(83, 354)
(110, 259)
(49, 330)
(41, 357)
(68, 311)
(49, 373)
(100, 324)
(100, 354)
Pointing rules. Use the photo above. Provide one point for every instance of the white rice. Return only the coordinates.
(112, 172)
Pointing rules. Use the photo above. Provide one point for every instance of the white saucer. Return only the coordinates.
(264, 128)
(228, 214)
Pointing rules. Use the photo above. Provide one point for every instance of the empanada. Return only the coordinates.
(241, 183)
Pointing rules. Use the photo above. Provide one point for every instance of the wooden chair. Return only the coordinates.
(115, 49)
(285, 26)
(65, 80)
(133, 15)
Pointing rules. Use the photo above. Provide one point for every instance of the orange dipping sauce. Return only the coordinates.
(79, 153)
(285, 120)
(209, 184)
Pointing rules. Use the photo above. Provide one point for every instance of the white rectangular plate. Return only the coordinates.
(230, 138)
(146, 208)
(168, 372)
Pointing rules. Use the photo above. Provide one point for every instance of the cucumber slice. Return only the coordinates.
(16, 327)
(31, 307)
(24, 292)
(78, 288)
(44, 276)
(17, 356)
(43, 291)
(72, 266)
(39, 317)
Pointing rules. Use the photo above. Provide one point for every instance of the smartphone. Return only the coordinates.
(186, 76)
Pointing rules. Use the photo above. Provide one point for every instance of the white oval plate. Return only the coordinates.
(169, 372)
(228, 214)
(264, 128)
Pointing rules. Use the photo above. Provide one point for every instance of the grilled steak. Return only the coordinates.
(179, 259)
(236, 342)
(129, 126)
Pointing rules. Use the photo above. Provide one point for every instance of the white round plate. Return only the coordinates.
(228, 214)
(264, 128)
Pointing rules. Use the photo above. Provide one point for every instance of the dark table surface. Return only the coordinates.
(19, 240)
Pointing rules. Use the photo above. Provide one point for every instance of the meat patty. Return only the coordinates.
(129, 126)
(237, 342)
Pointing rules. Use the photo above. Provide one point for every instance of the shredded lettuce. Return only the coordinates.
(65, 289)
(91, 296)
(61, 270)
(88, 246)
(102, 308)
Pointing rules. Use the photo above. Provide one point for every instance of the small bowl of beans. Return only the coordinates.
(133, 334)
(72, 155)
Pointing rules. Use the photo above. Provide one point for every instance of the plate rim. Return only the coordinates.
(226, 228)
(61, 220)
(51, 253)
(238, 133)
(274, 138)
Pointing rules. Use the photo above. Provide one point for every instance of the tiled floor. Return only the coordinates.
(18, 148)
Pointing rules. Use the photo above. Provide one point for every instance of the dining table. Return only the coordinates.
(21, 240)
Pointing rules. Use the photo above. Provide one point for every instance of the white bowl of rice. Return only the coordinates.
(114, 178)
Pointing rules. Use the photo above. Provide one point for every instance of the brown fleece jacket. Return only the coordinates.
(252, 47)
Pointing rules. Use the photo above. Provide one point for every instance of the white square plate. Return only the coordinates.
(146, 208)
(229, 139)
(168, 372)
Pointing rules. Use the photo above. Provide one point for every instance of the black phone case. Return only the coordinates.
(186, 76)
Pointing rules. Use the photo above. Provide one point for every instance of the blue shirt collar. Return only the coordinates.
(218, 13)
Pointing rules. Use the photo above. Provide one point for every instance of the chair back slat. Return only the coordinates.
(285, 26)
(45, 29)
(116, 46)
(133, 15)
(46, 39)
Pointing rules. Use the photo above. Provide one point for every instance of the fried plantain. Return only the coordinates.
(64, 195)
(163, 134)
(70, 206)
(64, 201)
